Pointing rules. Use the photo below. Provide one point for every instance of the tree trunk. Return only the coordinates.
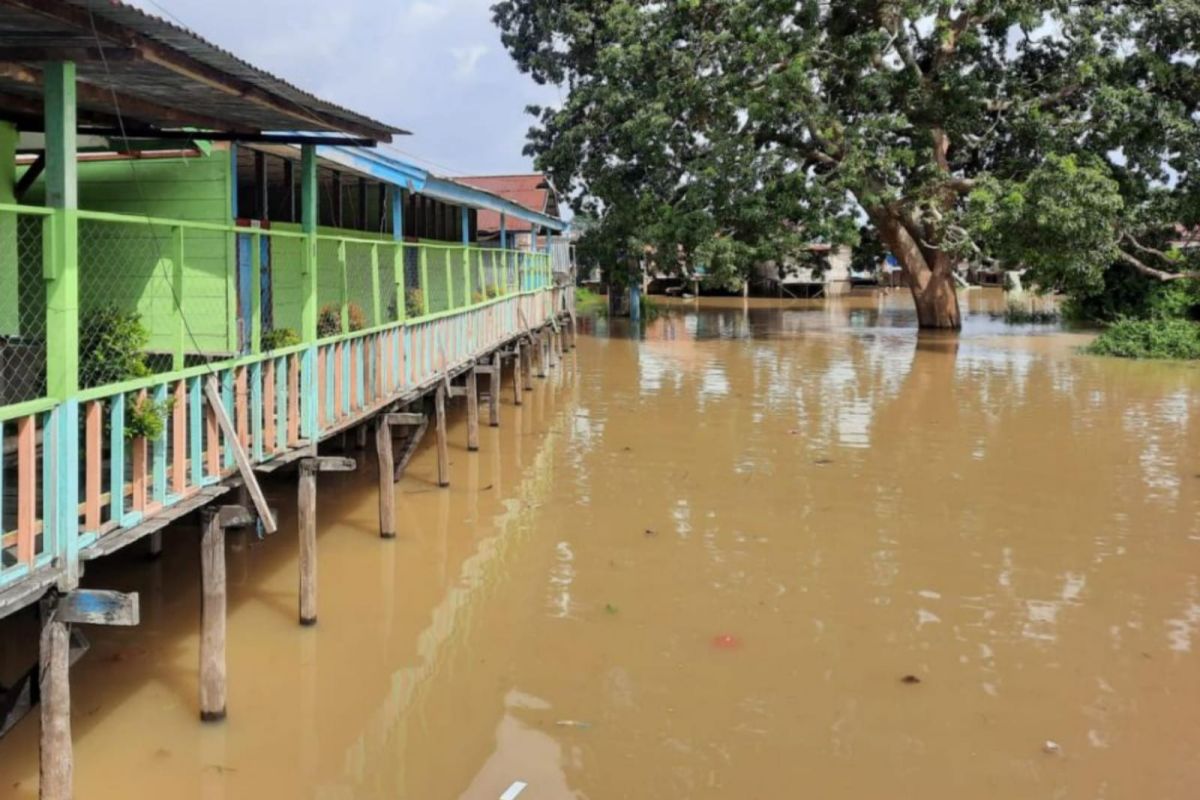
(930, 274)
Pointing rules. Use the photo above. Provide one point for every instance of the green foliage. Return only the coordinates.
(478, 297)
(414, 303)
(329, 320)
(1058, 136)
(145, 419)
(279, 338)
(113, 347)
(586, 299)
(1124, 293)
(1149, 338)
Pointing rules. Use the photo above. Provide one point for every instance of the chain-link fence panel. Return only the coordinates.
(329, 288)
(389, 299)
(360, 294)
(284, 323)
(438, 291)
(414, 296)
(22, 309)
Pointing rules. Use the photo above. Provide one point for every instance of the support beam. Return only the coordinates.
(527, 363)
(420, 426)
(494, 381)
(387, 486)
(542, 349)
(243, 461)
(56, 767)
(472, 410)
(61, 255)
(443, 452)
(306, 507)
(212, 616)
(518, 361)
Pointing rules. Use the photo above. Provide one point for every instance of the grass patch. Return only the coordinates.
(586, 298)
(1149, 338)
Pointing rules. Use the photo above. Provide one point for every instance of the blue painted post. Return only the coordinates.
(116, 465)
(465, 222)
(398, 256)
(504, 258)
(195, 434)
(309, 424)
(160, 449)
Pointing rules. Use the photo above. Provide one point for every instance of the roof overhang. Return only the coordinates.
(409, 176)
(142, 75)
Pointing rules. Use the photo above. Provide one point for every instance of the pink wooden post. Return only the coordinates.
(337, 380)
(213, 453)
(26, 486)
(179, 474)
(268, 409)
(93, 432)
(321, 388)
(293, 429)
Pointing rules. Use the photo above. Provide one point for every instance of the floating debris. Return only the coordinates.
(821, 462)
(573, 723)
(726, 641)
(513, 791)
(651, 532)
(610, 608)
(910, 679)
(1051, 747)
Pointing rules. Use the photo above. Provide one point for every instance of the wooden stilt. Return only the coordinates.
(527, 364)
(307, 515)
(495, 378)
(154, 545)
(360, 437)
(56, 767)
(417, 424)
(472, 410)
(574, 331)
(442, 451)
(541, 354)
(518, 359)
(387, 485)
(212, 617)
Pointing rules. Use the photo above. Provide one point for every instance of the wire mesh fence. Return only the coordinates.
(22, 309)
(360, 292)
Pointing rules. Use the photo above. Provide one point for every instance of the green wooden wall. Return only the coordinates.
(128, 265)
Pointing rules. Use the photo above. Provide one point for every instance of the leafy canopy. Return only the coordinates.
(1057, 135)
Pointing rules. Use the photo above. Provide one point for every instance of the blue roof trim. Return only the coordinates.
(401, 173)
(454, 192)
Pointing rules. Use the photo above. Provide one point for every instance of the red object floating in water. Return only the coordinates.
(726, 641)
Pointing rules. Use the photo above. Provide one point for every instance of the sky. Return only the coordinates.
(433, 67)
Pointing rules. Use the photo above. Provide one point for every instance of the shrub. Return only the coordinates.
(329, 321)
(477, 298)
(280, 338)
(145, 419)
(414, 303)
(113, 347)
(1155, 338)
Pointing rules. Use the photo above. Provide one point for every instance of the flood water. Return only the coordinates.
(761, 551)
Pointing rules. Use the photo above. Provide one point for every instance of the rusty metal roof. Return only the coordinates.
(163, 75)
(532, 191)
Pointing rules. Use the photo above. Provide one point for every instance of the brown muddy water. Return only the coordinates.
(703, 563)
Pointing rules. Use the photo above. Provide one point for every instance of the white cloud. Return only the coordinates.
(434, 67)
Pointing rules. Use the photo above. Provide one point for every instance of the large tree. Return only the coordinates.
(1060, 136)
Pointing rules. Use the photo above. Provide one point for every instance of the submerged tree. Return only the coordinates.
(1061, 136)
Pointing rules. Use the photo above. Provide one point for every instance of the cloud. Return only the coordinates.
(434, 67)
(468, 58)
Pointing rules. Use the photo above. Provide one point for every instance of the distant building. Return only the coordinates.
(535, 192)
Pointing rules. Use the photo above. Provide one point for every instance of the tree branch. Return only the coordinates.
(1157, 274)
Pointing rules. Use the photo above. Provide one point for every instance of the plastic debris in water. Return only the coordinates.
(1051, 747)
(573, 723)
(726, 641)
(513, 791)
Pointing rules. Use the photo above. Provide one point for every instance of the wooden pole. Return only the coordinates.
(307, 515)
(212, 617)
(443, 454)
(541, 354)
(472, 410)
(56, 768)
(387, 486)
(494, 381)
(154, 545)
(527, 364)
(518, 359)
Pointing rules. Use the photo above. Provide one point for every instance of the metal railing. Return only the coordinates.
(303, 332)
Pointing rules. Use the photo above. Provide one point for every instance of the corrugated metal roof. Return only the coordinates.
(165, 76)
(532, 191)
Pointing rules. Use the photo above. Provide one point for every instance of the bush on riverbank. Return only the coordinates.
(1149, 338)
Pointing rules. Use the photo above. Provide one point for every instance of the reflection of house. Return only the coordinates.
(791, 276)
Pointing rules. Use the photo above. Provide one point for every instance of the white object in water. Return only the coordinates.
(511, 792)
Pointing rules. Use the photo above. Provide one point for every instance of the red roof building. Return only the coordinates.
(533, 191)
